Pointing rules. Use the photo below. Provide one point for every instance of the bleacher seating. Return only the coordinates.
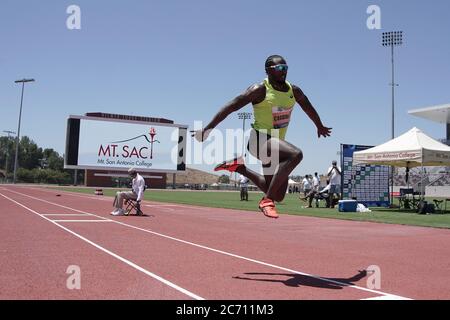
(433, 176)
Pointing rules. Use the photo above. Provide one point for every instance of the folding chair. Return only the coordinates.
(132, 205)
(446, 200)
(405, 201)
(438, 205)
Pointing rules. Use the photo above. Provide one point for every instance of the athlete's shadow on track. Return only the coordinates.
(298, 280)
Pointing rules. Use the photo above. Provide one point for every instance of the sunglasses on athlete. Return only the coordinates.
(279, 67)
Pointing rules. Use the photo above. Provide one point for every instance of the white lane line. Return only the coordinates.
(343, 284)
(386, 297)
(82, 220)
(128, 262)
(110, 199)
(70, 193)
(178, 206)
(168, 206)
(63, 214)
(82, 212)
(161, 207)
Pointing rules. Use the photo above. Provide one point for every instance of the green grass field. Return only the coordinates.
(291, 205)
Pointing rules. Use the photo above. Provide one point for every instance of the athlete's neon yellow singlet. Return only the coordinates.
(274, 113)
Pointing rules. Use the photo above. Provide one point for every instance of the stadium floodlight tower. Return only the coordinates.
(392, 39)
(23, 81)
(244, 116)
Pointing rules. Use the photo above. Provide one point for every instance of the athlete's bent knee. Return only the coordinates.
(298, 156)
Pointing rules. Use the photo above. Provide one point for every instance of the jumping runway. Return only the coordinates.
(178, 252)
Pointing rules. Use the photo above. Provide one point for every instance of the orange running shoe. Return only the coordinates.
(268, 208)
(230, 165)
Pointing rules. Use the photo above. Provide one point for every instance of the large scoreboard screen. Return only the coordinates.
(101, 143)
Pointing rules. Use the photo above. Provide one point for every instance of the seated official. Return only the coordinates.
(137, 193)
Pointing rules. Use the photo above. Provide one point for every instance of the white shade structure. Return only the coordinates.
(439, 113)
(412, 149)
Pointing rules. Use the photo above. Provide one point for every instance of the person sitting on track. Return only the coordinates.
(273, 101)
(137, 193)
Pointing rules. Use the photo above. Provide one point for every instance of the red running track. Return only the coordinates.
(189, 252)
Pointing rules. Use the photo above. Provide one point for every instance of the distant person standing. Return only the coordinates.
(315, 189)
(334, 174)
(306, 185)
(315, 184)
(243, 183)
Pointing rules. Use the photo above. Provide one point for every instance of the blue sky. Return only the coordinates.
(183, 60)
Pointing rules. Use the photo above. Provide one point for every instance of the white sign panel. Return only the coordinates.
(119, 144)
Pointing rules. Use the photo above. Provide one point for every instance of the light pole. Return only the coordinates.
(244, 116)
(7, 150)
(392, 39)
(23, 81)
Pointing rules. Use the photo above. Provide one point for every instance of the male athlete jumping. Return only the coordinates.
(273, 101)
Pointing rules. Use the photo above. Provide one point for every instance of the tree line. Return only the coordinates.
(35, 164)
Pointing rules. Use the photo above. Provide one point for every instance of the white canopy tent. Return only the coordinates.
(412, 149)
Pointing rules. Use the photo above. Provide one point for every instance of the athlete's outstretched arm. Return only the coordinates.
(252, 94)
(303, 101)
